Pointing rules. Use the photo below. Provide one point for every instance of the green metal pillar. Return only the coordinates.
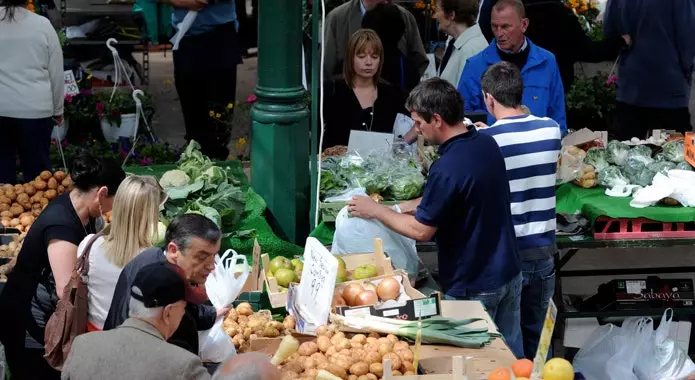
(280, 131)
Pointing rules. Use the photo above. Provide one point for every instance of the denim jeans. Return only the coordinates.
(538, 289)
(503, 305)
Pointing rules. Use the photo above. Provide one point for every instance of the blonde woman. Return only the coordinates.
(133, 228)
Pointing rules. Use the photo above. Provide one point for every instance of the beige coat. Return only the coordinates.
(134, 350)
(346, 19)
(468, 44)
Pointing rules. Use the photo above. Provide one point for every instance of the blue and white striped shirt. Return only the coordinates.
(531, 147)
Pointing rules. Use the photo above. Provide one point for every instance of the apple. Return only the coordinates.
(364, 271)
(279, 263)
(341, 276)
(284, 276)
(341, 262)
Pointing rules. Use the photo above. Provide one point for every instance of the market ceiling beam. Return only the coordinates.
(280, 130)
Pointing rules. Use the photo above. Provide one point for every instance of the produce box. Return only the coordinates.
(411, 305)
(381, 263)
(252, 292)
(636, 294)
(690, 148)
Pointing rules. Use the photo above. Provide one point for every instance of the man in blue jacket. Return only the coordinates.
(543, 91)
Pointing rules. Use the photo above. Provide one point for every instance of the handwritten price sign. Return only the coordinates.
(71, 87)
(315, 291)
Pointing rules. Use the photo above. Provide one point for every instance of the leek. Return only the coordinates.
(435, 330)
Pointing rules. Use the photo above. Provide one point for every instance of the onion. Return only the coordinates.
(338, 300)
(367, 297)
(370, 286)
(351, 292)
(388, 289)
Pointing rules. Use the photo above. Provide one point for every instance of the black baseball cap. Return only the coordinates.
(159, 284)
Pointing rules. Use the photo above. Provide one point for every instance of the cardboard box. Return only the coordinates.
(584, 136)
(352, 261)
(690, 148)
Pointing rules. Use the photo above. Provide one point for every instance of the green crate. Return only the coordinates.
(259, 301)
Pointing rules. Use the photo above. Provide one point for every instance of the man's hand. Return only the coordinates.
(363, 207)
(480, 124)
(221, 312)
(628, 39)
(194, 5)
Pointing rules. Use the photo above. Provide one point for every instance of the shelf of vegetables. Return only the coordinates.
(388, 178)
(220, 191)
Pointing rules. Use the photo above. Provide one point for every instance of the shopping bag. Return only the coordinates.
(663, 358)
(356, 235)
(223, 286)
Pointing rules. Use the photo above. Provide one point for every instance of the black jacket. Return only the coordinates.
(197, 317)
(555, 28)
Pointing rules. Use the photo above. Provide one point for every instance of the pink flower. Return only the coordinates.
(146, 161)
(100, 108)
(613, 79)
(251, 98)
(68, 98)
(86, 92)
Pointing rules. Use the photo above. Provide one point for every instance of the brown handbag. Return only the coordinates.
(70, 318)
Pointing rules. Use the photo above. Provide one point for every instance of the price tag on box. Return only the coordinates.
(690, 148)
(71, 87)
(315, 291)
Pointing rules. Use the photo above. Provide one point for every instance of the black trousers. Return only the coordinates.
(29, 364)
(634, 121)
(31, 139)
(205, 74)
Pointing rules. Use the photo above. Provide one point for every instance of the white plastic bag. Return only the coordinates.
(610, 352)
(223, 287)
(182, 28)
(356, 235)
(663, 358)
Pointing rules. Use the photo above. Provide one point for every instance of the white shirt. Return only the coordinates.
(103, 276)
(31, 67)
(468, 44)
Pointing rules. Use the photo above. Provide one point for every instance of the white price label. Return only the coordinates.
(315, 291)
(71, 87)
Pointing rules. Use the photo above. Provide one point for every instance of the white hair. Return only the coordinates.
(138, 309)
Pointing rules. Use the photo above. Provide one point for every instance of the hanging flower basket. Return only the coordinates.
(112, 131)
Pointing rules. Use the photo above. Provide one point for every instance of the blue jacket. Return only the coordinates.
(543, 91)
(657, 70)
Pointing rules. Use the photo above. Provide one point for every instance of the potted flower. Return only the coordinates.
(117, 114)
(590, 102)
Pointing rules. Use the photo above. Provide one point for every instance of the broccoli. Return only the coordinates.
(596, 157)
(674, 151)
(611, 177)
(617, 152)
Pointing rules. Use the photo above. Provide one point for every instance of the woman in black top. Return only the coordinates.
(46, 261)
(360, 101)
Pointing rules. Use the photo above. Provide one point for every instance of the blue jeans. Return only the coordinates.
(538, 289)
(503, 305)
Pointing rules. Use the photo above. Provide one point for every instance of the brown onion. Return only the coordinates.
(367, 297)
(351, 292)
(388, 289)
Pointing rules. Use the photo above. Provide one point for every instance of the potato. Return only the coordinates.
(7, 187)
(370, 376)
(11, 194)
(342, 360)
(358, 353)
(26, 206)
(331, 351)
(323, 343)
(308, 363)
(52, 183)
(359, 338)
(352, 377)
(359, 368)
(232, 314)
(238, 340)
(26, 220)
(289, 322)
(384, 348)
(14, 222)
(371, 339)
(372, 357)
(16, 210)
(51, 194)
(45, 175)
(342, 344)
(289, 375)
(29, 189)
(318, 357)
(322, 366)
(5, 200)
(22, 197)
(60, 189)
(374, 335)
(5, 222)
(337, 336)
(311, 373)
(270, 332)
(308, 348)
(244, 308)
(397, 373)
(407, 367)
(321, 330)
(67, 182)
(18, 189)
(405, 355)
(35, 213)
(6, 214)
(39, 194)
(377, 369)
(296, 365)
(44, 202)
(4, 207)
(40, 184)
(401, 345)
(336, 370)
(59, 175)
(396, 361)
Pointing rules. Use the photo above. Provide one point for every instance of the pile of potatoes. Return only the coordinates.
(358, 357)
(243, 325)
(21, 204)
(10, 251)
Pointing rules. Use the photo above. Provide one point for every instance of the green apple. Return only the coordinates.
(298, 268)
(296, 262)
(341, 276)
(341, 262)
(364, 271)
(284, 276)
(279, 263)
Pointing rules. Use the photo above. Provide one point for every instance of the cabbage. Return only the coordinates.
(674, 151)
(617, 152)
(596, 157)
(636, 170)
(661, 167)
(611, 177)
(214, 175)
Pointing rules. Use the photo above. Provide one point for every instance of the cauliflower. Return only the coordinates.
(158, 236)
(174, 178)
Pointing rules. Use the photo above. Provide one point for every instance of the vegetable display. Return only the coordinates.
(617, 152)
(242, 325)
(393, 178)
(198, 186)
(596, 157)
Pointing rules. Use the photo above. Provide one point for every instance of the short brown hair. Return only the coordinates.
(516, 4)
(465, 11)
(360, 41)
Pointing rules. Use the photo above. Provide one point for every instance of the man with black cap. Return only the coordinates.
(137, 349)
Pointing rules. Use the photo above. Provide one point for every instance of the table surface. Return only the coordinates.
(588, 242)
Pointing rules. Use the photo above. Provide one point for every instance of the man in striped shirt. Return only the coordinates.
(530, 146)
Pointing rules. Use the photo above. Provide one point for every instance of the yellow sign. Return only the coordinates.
(544, 344)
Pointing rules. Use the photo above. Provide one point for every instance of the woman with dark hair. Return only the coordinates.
(388, 23)
(360, 101)
(456, 18)
(46, 261)
(31, 90)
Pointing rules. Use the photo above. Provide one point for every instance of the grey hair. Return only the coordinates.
(138, 310)
(248, 366)
(184, 228)
(503, 81)
(436, 96)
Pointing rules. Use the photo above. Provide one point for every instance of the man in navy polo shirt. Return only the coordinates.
(465, 206)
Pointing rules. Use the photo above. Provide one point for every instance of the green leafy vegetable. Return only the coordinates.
(674, 151)
(596, 157)
(617, 152)
(611, 177)
(684, 166)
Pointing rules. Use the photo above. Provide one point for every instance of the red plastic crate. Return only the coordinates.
(606, 228)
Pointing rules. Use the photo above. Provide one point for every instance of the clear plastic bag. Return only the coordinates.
(223, 286)
(356, 235)
(570, 164)
(663, 358)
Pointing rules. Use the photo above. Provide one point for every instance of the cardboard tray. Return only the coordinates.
(352, 261)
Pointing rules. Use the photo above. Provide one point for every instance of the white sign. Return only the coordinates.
(365, 142)
(315, 291)
(71, 87)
